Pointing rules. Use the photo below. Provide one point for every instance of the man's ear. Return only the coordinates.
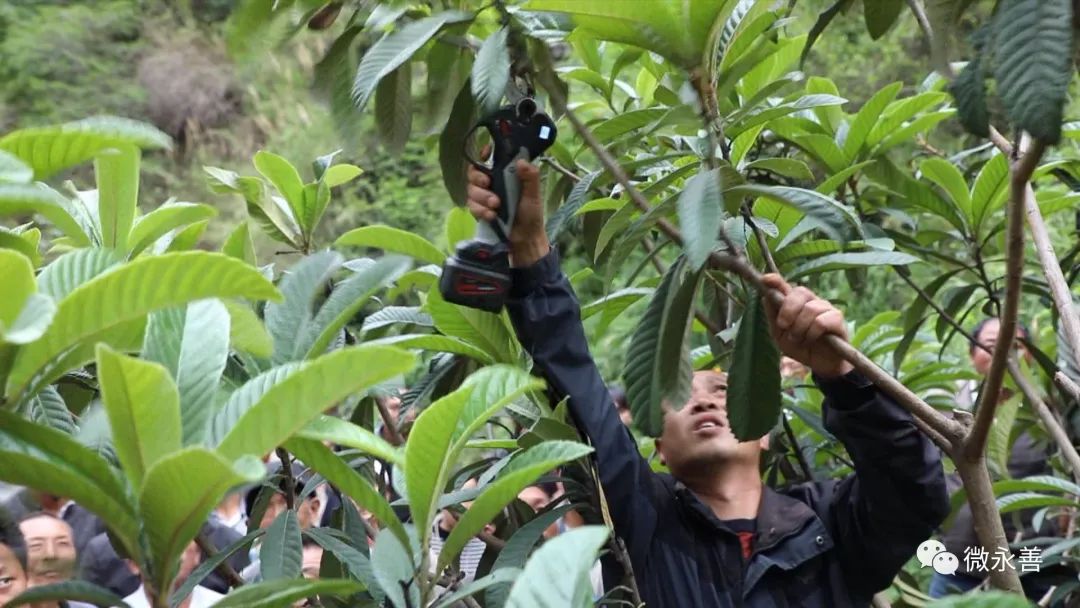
(764, 441)
(660, 450)
(132, 567)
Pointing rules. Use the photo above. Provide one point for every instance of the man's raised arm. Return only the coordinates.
(547, 319)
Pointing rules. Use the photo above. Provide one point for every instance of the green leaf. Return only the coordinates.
(427, 462)
(486, 330)
(393, 108)
(285, 178)
(48, 409)
(338, 175)
(208, 565)
(346, 434)
(832, 217)
(565, 213)
(982, 599)
(390, 315)
(143, 408)
(997, 442)
(452, 145)
(969, 90)
(658, 369)
(45, 595)
(192, 343)
(396, 48)
(25, 243)
(823, 21)
(948, 177)
(281, 551)
(557, 576)
(13, 170)
(117, 173)
(49, 150)
(856, 259)
(700, 214)
(168, 217)
(990, 190)
(788, 167)
(17, 277)
(867, 117)
(621, 124)
(18, 199)
(127, 294)
(288, 320)
(460, 225)
(444, 344)
(346, 300)
(179, 493)
(49, 460)
(522, 471)
(394, 570)
(1031, 500)
(394, 240)
(247, 332)
(493, 388)
(1032, 50)
(1045, 483)
(754, 396)
(880, 15)
(283, 593)
(500, 576)
(31, 323)
(516, 551)
(353, 559)
(491, 72)
(343, 477)
(239, 244)
(287, 406)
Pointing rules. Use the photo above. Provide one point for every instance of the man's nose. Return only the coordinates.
(697, 406)
(49, 550)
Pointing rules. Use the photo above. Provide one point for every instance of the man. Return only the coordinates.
(309, 509)
(13, 566)
(200, 597)
(50, 548)
(84, 524)
(1027, 457)
(711, 534)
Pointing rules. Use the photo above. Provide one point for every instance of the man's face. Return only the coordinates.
(311, 562)
(988, 337)
(50, 550)
(537, 498)
(12, 575)
(306, 512)
(698, 435)
(189, 559)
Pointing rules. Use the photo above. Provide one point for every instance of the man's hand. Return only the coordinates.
(800, 324)
(528, 239)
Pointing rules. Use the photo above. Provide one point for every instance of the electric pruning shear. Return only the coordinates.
(478, 274)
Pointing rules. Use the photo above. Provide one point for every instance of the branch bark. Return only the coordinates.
(1066, 384)
(1019, 185)
(224, 568)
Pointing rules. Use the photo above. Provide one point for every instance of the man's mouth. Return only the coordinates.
(707, 423)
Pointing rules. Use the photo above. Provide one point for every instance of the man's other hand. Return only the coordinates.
(800, 324)
(528, 238)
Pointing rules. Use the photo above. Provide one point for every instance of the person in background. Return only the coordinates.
(472, 553)
(14, 566)
(309, 508)
(200, 597)
(230, 513)
(84, 524)
(618, 397)
(1027, 457)
(538, 497)
(312, 559)
(50, 548)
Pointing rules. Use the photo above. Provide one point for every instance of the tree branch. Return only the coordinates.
(1019, 185)
(290, 481)
(947, 427)
(699, 314)
(1066, 384)
(763, 244)
(1053, 426)
(225, 569)
(388, 420)
(808, 473)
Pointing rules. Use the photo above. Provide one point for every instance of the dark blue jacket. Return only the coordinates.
(830, 544)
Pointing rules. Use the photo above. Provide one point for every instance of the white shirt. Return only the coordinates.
(201, 597)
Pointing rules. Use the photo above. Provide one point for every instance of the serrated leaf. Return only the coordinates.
(486, 330)
(516, 551)
(394, 240)
(880, 15)
(143, 408)
(867, 118)
(286, 407)
(13, 170)
(339, 175)
(1031, 500)
(460, 225)
(208, 565)
(829, 215)
(126, 295)
(452, 145)
(989, 191)
(701, 212)
(557, 575)
(856, 259)
(753, 389)
(394, 570)
(969, 91)
(117, 173)
(430, 342)
(565, 213)
(283, 593)
(948, 177)
(280, 552)
(393, 108)
(997, 442)
(178, 494)
(170, 216)
(353, 559)
(397, 314)
(1032, 50)
(18, 199)
(49, 150)
(288, 320)
(427, 465)
(491, 71)
(43, 595)
(247, 332)
(284, 176)
(658, 370)
(396, 48)
(522, 471)
(346, 434)
(501, 576)
(48, 409)
(788, 167)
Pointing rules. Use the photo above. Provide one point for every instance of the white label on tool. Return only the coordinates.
(544, 132)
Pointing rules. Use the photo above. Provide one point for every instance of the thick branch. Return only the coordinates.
(1066, 384)
(389, 423)
(290, 481)
(947, 427)
(224, 568)
(1053, 426)
(987, 519)
(1019, 185)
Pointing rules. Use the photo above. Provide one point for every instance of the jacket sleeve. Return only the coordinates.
(896, 497)
(547, 320)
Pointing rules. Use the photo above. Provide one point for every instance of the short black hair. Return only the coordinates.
(618, 395)
(12, 537)
(972, 345)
